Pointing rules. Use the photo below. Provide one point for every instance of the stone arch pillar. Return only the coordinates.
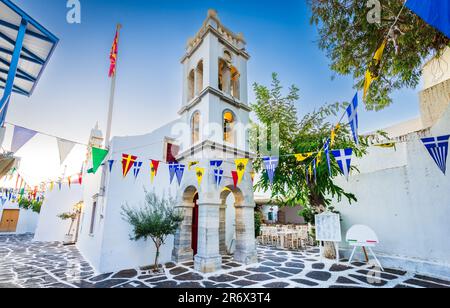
(208, 258)
(222, 228)
(182, 251)
(245, 252)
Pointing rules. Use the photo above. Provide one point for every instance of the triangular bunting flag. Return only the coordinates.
(52, 185)
(307, 175)
(252, 175)
(438, 149)
(235, 176)
(327, 155)
(315, 170)
(344, 160)
(303, 157)
(334, 133)
(127, 163)
(154, 165)
(64, 147)
(98, 156)
(352, 112)
(180, 172)
(216, 163)
(271, 165)
(69, 180)
(137, 168)
(172, 171)
(199, 172)
(3, 200)
(373, 72)
(218, 176)
(241, 166)
(21, 136)
(80, 179)
(192, 164)
(110, 164)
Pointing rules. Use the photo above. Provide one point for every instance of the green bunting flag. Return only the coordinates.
(98, 156)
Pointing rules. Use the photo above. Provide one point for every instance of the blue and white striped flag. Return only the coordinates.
(438, 149)
(344, 160)
(327, 154)
(352, 112)
(271, 165)
(218, 176)
(137, 168)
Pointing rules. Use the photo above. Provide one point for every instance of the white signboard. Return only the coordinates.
(362, 236)
(328, 228)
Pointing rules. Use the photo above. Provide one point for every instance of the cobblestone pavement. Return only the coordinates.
(27, 264)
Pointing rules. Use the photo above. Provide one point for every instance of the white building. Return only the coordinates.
(402, 194)
(15, 220)
(214, 115)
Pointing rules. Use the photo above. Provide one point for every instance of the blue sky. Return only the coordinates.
(73, 93)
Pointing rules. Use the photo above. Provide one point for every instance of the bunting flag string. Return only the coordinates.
(438, 149)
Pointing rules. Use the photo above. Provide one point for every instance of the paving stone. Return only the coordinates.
(318, 275)
(370, 280)
(295, 265)
(189, 276)
(318, 266)
(276, 285)
(109, 283)
(234, 264)
(259, 277)
(290, 270)
(306, 282)
(402, 286)
(277, 259)
(269, 263)
(133, 285)
(170, 265)
(157, 279)
(261, 269)
(130, 273)
(223, 278)
(425, 284)
(431, 279)
(239, 273)
(178, 270)
(166, 284)
(244, 283)
(345, 280)
(190, 285)
(280, 274)
(339, 268)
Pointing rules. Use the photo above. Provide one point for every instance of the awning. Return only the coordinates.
(25, 49)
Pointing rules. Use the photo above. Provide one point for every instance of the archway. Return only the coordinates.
(183, 244)
(194, 237)
(230, 198)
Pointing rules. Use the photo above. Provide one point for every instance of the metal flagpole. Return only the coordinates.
(110, 113)
(112, 93)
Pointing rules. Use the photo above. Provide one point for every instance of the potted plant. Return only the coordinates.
(156, 220)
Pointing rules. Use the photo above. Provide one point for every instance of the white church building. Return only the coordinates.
(212, 124)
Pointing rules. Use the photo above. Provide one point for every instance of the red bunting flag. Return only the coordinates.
(113, 54)
(154, 165)
(80, 178)
(127, 163)
(235, 177)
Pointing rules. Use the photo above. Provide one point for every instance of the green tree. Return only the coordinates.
(350, 42)
(156, 220)
(304, 135)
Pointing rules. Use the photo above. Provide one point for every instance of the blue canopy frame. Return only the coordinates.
(23, 63)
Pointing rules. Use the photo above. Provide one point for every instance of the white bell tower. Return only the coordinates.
(215, 99)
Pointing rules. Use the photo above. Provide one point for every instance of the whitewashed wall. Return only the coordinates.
(50, 228)
(405, 198)
(27, 219)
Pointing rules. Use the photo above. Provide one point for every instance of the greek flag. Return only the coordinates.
(327, 154)
(352, 112)
(344, 160)
(137, 168)
(180, 172)
(218, 176)
(438, 149)
(271, 165)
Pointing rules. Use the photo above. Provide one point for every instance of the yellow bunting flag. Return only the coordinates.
(310, 172)
(303, 157)
(199, 172)
(387, 145)
(253, 174)
(192, 164)
(52, 185)
(373, 72)
(319, 157)
(241, 165)
(334, 133)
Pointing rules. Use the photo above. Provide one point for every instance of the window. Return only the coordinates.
(228, 126)
(195, 127)
(191, 85)
(172, 151)
(94, 210)
(199, 78)
(235, 83)
(224, 76)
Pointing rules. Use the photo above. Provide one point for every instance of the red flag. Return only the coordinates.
(113, 55)
(80, 178)
(235, 177)
(127, 163)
